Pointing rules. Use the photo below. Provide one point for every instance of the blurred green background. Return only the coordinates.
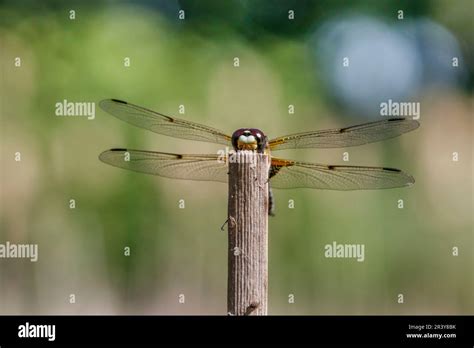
(190, 62)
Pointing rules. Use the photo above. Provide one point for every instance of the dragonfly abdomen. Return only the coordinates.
(271, 202)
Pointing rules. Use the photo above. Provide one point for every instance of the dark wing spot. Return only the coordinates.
(396, 119)
(331, 167)
(392, 169)
(118, 150)
(179, 156)
(119, 101)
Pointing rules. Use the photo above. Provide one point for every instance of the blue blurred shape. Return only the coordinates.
(439, 49)
(382, 63)
(385, 62)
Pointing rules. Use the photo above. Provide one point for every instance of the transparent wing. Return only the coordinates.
(163, 124)
(187, 167)
(349, 136)
(291, 174)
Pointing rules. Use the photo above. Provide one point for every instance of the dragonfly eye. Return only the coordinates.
(248, 139)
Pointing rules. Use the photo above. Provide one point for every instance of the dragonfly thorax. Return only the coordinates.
(249, 139)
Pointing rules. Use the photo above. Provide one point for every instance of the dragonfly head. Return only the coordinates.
(249, 139)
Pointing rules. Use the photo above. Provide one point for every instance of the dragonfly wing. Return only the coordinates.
(292, 174)
(187, 167)
(163, 124)
(349, 136)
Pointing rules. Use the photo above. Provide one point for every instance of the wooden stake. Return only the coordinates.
(247, 283)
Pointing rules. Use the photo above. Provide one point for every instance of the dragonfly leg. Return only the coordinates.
(225, 223)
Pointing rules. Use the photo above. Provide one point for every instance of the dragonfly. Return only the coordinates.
(283, 173)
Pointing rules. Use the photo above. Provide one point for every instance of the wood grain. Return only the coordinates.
(247, 292)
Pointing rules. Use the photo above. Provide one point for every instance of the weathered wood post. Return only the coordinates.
(248, 234)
